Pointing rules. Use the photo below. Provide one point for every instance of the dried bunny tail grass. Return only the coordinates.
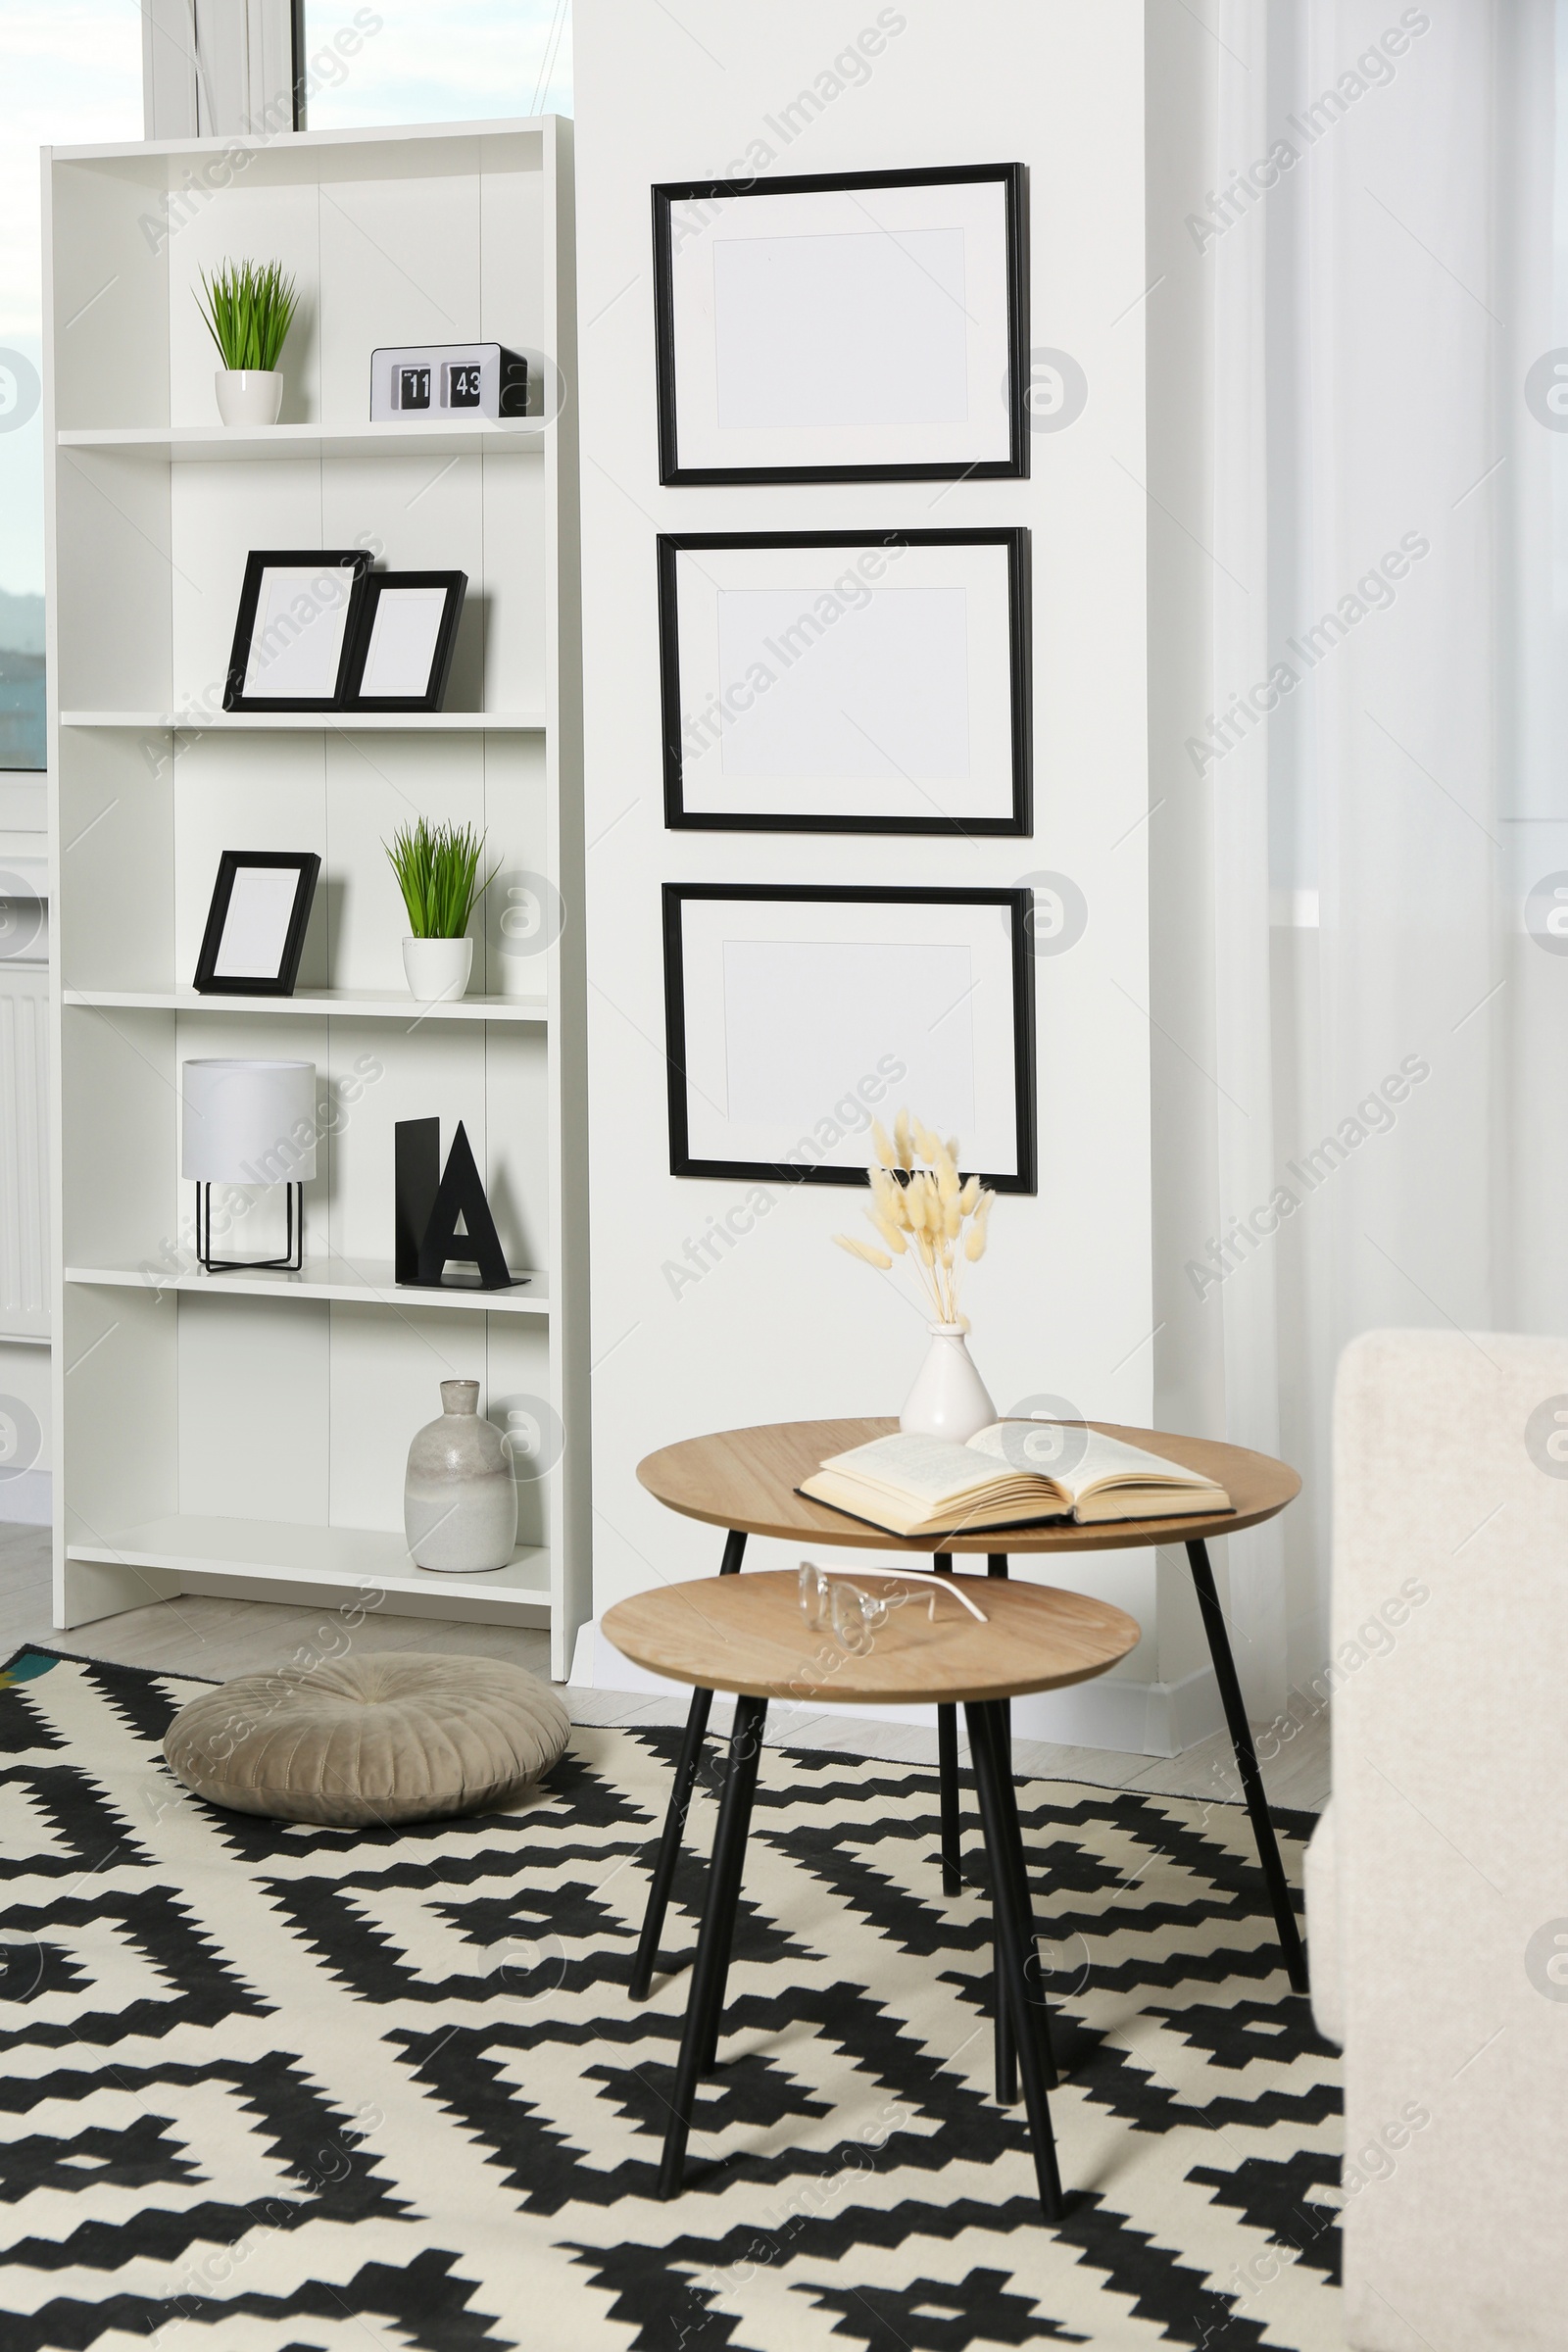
(890, 1233)
(974, 1246)
(901, 1137)
(888, 1195)
(918, 1194)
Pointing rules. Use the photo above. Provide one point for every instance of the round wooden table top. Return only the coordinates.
(749, 1633)
(746, 1478)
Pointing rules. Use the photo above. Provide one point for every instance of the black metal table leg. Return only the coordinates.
(1006, 2064)
(732, 1896)
(1229, 1690)
(1023, 1901)
(680, 1797)
(1021, 1987)
(706, 1997)
(948, 1773)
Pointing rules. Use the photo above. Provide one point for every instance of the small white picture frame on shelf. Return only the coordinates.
(846, 681)
(794, 1015)
(843, 326)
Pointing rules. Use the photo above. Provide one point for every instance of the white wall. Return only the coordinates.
(784, 1326)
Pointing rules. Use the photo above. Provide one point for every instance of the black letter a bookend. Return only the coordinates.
(429, 1210)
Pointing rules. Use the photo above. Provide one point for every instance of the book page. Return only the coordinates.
(1103, 1459)
(929, 1470)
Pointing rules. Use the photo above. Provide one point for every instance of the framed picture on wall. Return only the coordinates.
(846, 681)
(295, 629)
(256, 923)
(404, 640)
(844, 327)
(794, 1016)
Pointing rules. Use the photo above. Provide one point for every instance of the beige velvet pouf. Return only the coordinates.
(361, 1742)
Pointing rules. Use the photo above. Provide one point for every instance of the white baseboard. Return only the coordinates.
(1147, 1719)
(28, 1500)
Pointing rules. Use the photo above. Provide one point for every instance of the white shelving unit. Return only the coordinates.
(246, 1432)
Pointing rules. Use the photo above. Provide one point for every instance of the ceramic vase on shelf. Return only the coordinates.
(437, 970)
(949, 1398)
(250, 396)
(459, 1497)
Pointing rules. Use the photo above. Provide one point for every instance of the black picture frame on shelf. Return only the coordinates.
(795, 1014)
(782, 663)
(405, 635)
(917, 279)
(256, 923)
(294, 631)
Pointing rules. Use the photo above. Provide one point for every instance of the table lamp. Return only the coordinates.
(249, 1123)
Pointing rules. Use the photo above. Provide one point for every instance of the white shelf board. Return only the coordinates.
(338, 722)
(348, 1003)
(193, 444)
(366, 1281)
(280, 1551)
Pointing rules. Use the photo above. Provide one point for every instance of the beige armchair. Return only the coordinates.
(1437, 1884)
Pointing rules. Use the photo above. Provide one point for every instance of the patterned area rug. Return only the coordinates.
(271, 2088)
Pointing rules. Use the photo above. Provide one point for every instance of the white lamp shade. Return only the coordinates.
(248, 1122)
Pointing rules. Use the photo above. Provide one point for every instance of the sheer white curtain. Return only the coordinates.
(1363, 1099)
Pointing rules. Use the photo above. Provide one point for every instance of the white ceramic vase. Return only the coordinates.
(437, 968)
(249, 395)
(459, 1497)
(949, 1398)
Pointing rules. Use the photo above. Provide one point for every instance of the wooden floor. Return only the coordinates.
(216, 1639)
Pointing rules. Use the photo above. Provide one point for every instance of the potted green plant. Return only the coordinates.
(248, 310)
(437, 867)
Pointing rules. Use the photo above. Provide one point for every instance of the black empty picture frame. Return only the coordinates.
(295, 628)
(367, 684)
(706, 1042)
(261, 907)
(698, 721)
(997, 345)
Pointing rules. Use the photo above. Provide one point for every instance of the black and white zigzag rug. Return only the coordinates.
(271, 2088)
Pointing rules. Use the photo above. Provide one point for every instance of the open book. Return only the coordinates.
(915, 1486)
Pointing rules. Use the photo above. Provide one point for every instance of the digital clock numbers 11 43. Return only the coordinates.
(448, 380)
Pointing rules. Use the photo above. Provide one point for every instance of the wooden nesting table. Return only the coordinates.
(745, 1482)
(748, 1636)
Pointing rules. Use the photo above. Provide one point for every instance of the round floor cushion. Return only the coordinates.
(364, 1740)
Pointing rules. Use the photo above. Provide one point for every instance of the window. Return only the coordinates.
(71, 75)
(436, 61)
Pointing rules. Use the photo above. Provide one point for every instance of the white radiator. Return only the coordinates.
(24, 1150)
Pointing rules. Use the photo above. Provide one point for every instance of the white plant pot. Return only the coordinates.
(949, 1398)
(437, 968)
(249, 395)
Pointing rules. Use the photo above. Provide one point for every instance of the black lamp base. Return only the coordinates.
(289, 1265)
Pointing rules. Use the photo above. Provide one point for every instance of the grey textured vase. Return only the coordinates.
(460, 1500)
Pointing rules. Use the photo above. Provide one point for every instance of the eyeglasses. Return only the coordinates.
(837, 1607)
